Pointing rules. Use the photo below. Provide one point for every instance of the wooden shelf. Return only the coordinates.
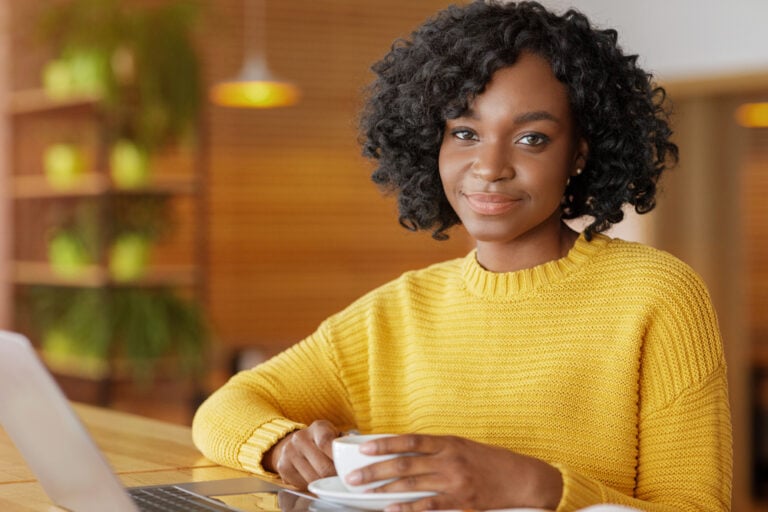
(35, 186)
(94, 276)
(38, 101)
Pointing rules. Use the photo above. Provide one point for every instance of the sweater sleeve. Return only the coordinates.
(243, 419)
(685, 457)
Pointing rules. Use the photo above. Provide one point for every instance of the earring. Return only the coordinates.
(568, 180)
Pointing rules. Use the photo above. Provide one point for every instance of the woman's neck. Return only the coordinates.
(526, 252)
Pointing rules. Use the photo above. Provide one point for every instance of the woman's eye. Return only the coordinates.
(464, 134)
(533, 139)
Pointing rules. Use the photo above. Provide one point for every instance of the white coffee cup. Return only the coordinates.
(347, 458)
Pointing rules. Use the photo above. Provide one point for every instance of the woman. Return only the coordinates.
(548, 368)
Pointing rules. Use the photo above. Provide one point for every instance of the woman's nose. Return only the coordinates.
(492, 163)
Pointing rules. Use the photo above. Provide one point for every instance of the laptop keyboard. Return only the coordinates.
(173, 499)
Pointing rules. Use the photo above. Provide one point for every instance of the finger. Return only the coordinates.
(324, 435)
(306, 471)
(310, 461)
(405, 467)
(289, 473)
(422, 482)
(296, 470)
(321, 463)
(291, 464)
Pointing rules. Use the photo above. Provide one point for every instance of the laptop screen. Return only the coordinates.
(37, 417)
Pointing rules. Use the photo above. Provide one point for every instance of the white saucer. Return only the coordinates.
(331, 489)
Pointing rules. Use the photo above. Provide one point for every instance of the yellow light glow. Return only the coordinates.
(255, 94)
(753, 115)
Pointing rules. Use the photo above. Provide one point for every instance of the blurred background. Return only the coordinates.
(161, 227)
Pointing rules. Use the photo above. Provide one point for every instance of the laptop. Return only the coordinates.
(75, 474)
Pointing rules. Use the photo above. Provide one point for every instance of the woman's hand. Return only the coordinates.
(465, 474)
(304, 455)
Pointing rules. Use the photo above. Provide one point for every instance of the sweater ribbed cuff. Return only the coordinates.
(578, 491)
(264, 438)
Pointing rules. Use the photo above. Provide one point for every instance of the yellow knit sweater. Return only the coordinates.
(607, 364)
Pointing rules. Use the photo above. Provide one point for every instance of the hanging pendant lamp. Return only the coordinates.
(255, 86)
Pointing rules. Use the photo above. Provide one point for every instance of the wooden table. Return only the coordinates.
(141, 451)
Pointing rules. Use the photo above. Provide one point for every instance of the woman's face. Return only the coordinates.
(504, 164)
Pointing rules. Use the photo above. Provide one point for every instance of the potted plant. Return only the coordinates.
(91, 330)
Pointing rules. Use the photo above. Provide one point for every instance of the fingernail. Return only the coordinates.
(354, 478)
(392, 508)
(368, 448)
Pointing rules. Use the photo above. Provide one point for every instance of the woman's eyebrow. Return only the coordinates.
(525, 117)
(536, 115)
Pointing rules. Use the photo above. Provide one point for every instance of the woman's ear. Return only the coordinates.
(582, 152)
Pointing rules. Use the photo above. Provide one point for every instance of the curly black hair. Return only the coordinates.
(450, 59)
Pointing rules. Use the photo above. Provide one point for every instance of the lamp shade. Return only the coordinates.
(753, 115)
(255, 87)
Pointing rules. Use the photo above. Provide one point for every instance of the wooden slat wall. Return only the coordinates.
(755, 186)
(297, 230)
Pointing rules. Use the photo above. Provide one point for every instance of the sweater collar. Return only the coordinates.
(482, 282)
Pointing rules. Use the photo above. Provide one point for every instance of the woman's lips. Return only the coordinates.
(490, 204)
